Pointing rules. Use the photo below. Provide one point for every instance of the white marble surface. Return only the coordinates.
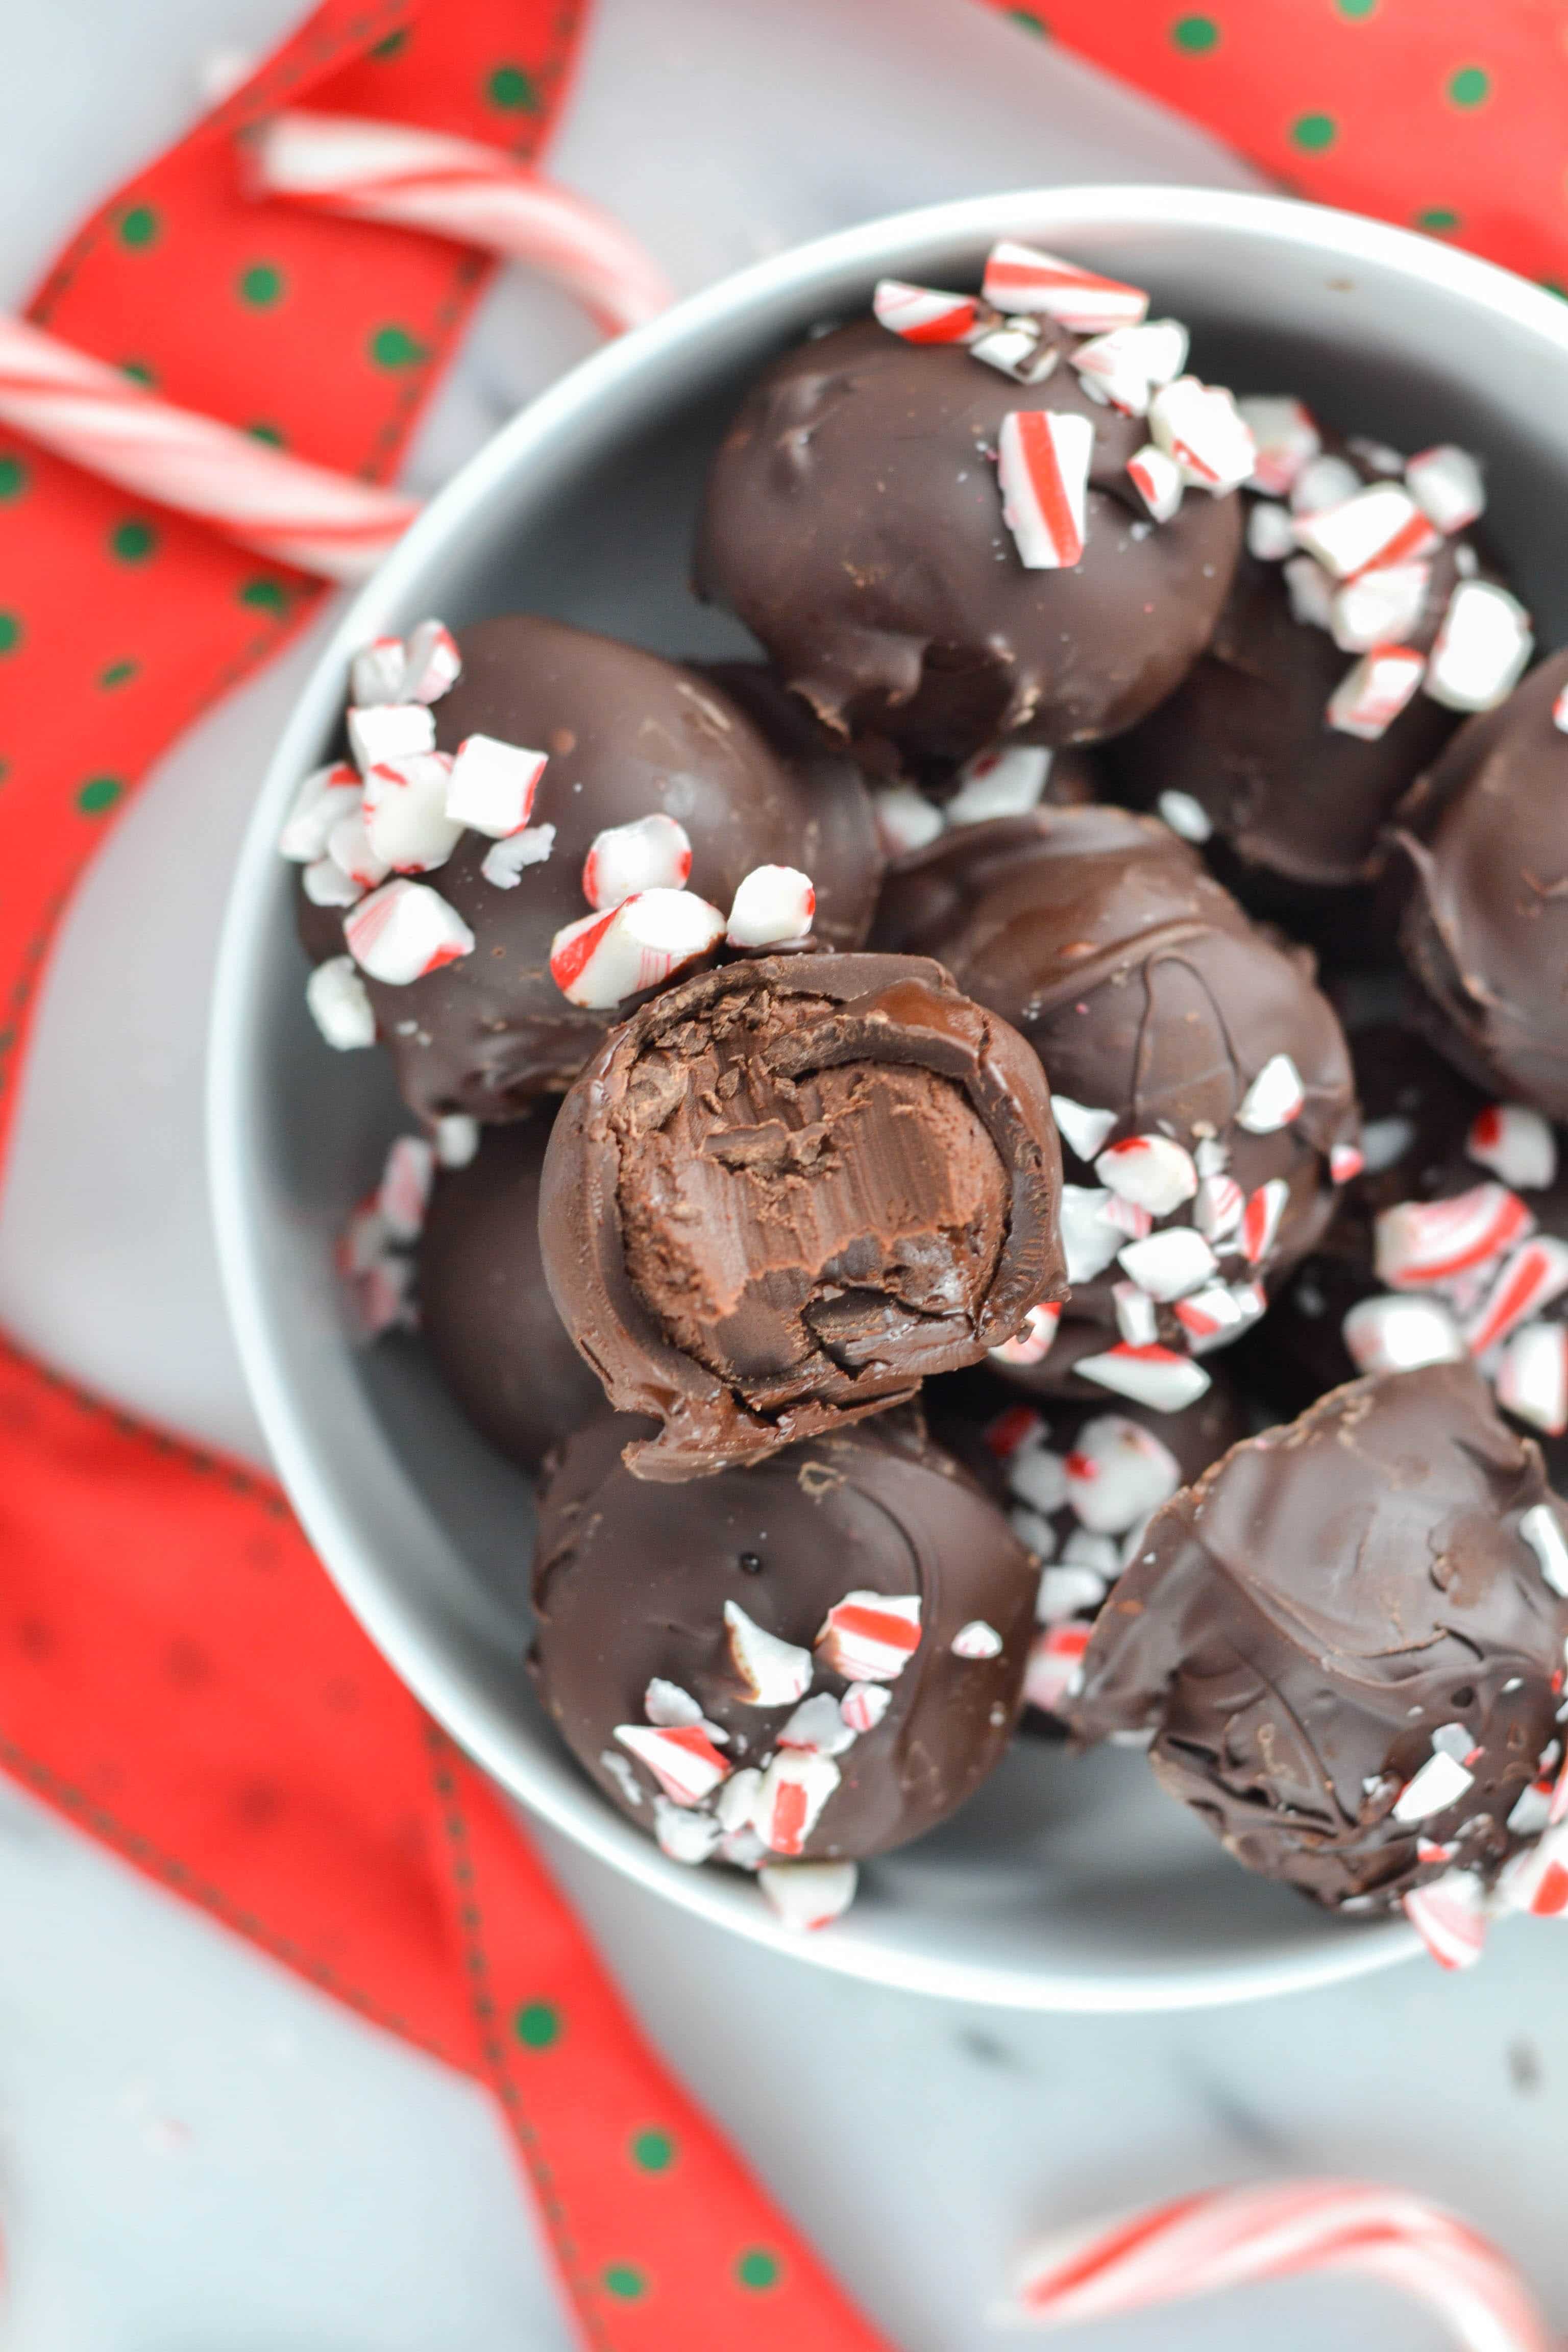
(197, 2153)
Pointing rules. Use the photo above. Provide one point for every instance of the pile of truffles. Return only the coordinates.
(902, 1123)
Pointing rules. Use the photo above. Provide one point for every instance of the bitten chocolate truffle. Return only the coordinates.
(627, 735)
(784, 1191)
(1346, 1641)
(1200, 1081)
(1485, 930)
(854, 522)
(819, 1657)
(484, 1310)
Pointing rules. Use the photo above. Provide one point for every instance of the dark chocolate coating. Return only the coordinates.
(630, 1581)
(484, 1310)
(853, 520)
(1144, 989)
(627, 734)
(1485, 930)
(786, 1191)
(1299, 1623)
(1299, 809)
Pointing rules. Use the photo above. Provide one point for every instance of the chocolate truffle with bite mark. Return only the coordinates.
(1485, 930)
(484, 1311)
(627, 735)
(1346, 1641)
(840, 1632)
(854, 522)
(1201, 1083)
(1290, 809)
(784, 1191)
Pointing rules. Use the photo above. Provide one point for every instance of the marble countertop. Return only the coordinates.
(195, 2149)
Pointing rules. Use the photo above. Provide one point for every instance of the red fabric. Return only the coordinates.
(177, 1673)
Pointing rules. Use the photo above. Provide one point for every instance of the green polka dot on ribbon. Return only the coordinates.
(10, 633)
(392, 46)
(626, 2284)
(98, 793)
(758, 2269)
(1437, 220)
(537, 2025)
(1358, 11)
(1314, 133)
(138, 371)
(139, 227)
(118, 672)
(1470, 86)
(1030, 23)
(13, 478)
(1196, 34)
(653, 2151)
(395, 346)
(270, 433)
(260, 286)
(513, 89)
(267, 596)
(132, 542)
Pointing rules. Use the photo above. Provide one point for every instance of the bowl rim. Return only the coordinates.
(576, 1810)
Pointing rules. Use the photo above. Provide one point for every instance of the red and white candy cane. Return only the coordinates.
(1233, 2236)
(458, 189)
(90, 412)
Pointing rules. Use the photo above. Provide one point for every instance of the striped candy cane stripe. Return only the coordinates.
(304, 515)
(456, 188)
(1232, 2236)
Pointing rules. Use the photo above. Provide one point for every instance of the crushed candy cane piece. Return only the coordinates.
(773, 907)
(795, 1787)
(1379, 525)
(906, 820)
(922, 314)
(818, 1723)
(871, 1637)
(382, 1297)
(326, 794)
(1042, 469)
(651, 853)
(1395, 1335)
(1311, 591)
(773, 1673)
(504, 864)
(977, 1640)
(405, 810)
(1450, 1918)
(432, 664)
(1516, 1143)
(864, 1705)
(1185, 816)
(1217, 1207)
(1016, 349)
(1446, 484)
(1560, 712)
(1158, 480)
(1169, 1263)
(326, 885)
(683, 1836)
(1346, 1161)
(389, 730)
(457, 1138)
(806, 1895)
(404, 1193)
(1210, 1315)
(1531, 1377)
(1149, 1169)
(1418, 1244)
(1483, 648)
(1069, 1591)
(1055, 1671)
(350, 849)
(1006, 781)
(1020, 278)
(600, 960)
(1038, 1475)
(1083, 1128)
(1136, 1319)
(620, 1771)
(1382, 608)
(681, 1758)
(1441, 1781)
(1260, 1219)
(1270, 533)
(1201, 428)
(1089, 1239)
(1117, 1473)
(1032, 1345)
(1212, 1157)
(1542, 1531)
(666, 1705)
(1286, 437)
(1530, 1278)
(1019, 1425)
(733, 1804)
(1275, 1097)
(1126, 363)
(1324, 482)
(1377, 457)
(1156, 1377)
(492, 784)
(339, 1004)
(1536, 1880)
(376, 673)
(1085, 1549)
(403, 931)
(1374, 691)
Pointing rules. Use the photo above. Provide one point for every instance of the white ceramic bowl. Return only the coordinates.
(1064, 1885)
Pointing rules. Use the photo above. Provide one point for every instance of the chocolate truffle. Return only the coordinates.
(847, 1621)
(627, 735)
(1290, 808)
(1346, 1640)
(484, 1310)
(1200, 1081)
(854, 522)
(786, 1191)
(1485, 930)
